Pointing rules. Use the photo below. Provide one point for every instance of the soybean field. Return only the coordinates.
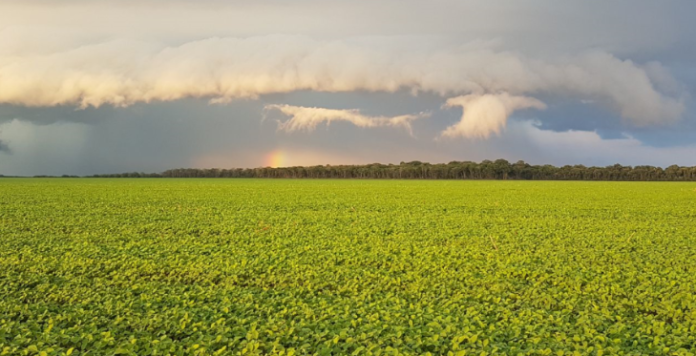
(346, 267)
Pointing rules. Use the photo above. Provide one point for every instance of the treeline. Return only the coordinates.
(498, 169)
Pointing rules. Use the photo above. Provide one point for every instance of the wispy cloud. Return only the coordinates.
(308, 118)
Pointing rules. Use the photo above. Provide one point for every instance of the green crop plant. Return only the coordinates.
(346, 267)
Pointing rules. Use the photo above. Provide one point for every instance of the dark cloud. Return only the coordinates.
(156, 136)
(565, 115)
(4, 148)
(191, 133)
(52, 115)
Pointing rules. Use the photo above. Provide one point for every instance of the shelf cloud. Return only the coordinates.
(123, 72)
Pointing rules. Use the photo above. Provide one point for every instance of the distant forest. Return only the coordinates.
(498, 169)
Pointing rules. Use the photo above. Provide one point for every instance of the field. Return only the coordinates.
(346, 267)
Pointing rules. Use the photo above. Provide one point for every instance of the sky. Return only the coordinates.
(108, 86)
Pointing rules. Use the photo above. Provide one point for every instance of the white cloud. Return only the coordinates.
(486, 114)
(308, 118)
(587, 147)
(123, 72)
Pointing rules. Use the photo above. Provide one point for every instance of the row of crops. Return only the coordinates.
(301, 267)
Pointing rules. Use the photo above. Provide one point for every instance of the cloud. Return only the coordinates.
(123, 72)
(43, 149)
(621, 25)
(308, 118)
(587, 147)
(4, 148)
(486, 114)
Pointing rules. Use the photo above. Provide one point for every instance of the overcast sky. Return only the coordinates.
(106, 86)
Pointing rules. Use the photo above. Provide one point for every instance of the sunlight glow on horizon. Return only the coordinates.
(276, 158)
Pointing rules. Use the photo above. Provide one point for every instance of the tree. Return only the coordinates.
(498, 169)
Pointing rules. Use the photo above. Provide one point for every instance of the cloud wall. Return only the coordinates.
(123, 72)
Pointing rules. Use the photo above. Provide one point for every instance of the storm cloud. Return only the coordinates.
(122, 72)
(110, 85)
(4, 148)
